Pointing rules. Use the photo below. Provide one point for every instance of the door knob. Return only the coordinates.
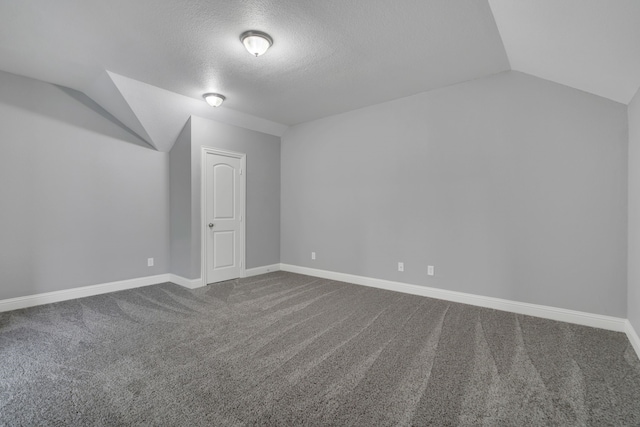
(210, 225)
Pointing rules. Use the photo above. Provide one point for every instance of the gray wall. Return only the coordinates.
(180, 205)
(82, 201)
(512, 186)
(633, 296)
(263, 193)
(263, 186)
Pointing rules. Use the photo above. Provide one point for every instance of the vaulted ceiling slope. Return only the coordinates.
(148, 62)
(157, 115)
(591, 45)
(328, 56)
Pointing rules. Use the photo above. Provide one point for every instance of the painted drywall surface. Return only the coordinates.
(511, 186)
(633, 292)
(589, 45)
(104, 91)
(82, 202)
(263, 187)
(326, 57)
(180, 204)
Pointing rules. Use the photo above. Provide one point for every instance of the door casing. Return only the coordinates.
(203, 206)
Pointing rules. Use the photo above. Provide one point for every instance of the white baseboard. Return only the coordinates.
(198, 283)
(571, 316)
(633, 337)
(249, 272)
(187, 283)
(546, 312)
(81, 292)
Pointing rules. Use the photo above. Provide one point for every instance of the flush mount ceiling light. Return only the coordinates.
(256, 42)
(214, 99)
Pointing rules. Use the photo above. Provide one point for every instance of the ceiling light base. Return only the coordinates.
(256, 42)
(214, 99)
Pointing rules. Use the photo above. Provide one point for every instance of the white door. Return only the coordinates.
(223, 220)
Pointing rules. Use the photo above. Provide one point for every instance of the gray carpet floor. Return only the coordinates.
(287, 349)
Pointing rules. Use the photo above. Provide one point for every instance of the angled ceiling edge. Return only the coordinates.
(587, 45)
(106, 94)
(162, 113)
(500, 36)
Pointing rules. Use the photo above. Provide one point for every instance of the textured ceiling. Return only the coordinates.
(148, 62)
(158, 115)
(328, 56)
(591, 45)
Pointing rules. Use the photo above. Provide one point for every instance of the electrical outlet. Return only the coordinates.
(431, 271)
(149, 262)
(313, 255)
(401, 266)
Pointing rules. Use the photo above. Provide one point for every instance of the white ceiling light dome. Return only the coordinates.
(214, 99)
(256, 42)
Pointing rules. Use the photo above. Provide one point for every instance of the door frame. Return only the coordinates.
(203, 207)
